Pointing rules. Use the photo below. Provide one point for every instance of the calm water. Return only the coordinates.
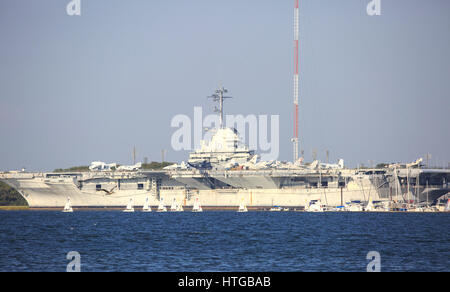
(223, 241)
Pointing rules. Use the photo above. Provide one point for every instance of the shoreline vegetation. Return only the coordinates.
(14, 208)
(9, 197)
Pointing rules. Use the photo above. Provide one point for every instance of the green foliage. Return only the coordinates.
(382, 165)
(10, 197)
(156, 165)
(73, 169)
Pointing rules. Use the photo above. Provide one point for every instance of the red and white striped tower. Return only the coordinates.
(296, 89)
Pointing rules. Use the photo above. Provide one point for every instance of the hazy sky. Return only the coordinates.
(75, 89)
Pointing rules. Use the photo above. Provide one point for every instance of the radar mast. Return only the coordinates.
(218, 97)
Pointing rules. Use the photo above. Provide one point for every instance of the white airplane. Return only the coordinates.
(314, 164)
(402, 165)
(254, 159)
(415, 163)
(130, 167)
(338, 165)
(172, 167)
(101, 166)
(182, 165)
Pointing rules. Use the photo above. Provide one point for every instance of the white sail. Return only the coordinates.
(146, 207)
(242, 207)
(161, 207)
(129, 207)
(370, 207)
(197, 207)
(130, 204)
(68, 207)
(173, 207)
(176, 207)
(179, 208)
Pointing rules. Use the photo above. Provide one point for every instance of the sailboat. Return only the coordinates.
(314, 206)
(429, 209)
(197, 207)
(370, 207)
(173, 207)
(68, 207)
(178, 207)
(276, 209)
(146, 207)
(129, 207)
(161, 207)
(242, 207)
(353, 206)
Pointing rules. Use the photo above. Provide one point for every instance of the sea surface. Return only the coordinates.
(223, 241)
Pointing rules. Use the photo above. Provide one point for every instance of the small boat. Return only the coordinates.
(429, 209)
(242, 207)
(129, 207)
(179, 208)
(146, 207)
(175, 207)
(385, 206)
(354, 206)
(314, 206)
(338, 209)
(370, 207)
(161, 207)
(415, 209)
(440, 207)
(197, 207)
(276, 209)
(68, 207)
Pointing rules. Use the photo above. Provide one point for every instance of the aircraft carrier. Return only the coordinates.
(223, 173)
(281, 184)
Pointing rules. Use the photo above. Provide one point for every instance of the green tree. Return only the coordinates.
(73, 169)
(10, 197)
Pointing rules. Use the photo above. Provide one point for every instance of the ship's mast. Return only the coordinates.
(296, 89)
(219, 97)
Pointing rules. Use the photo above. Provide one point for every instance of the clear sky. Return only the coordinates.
(76, 89)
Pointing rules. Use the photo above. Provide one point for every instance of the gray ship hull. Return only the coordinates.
(292, 189)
